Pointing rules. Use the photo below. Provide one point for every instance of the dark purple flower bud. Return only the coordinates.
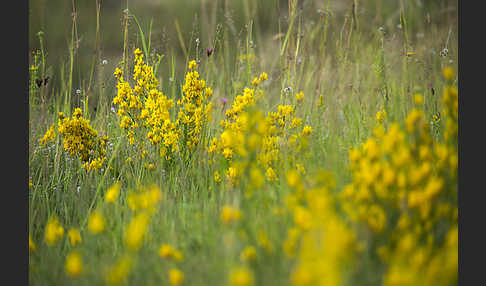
(209, 51)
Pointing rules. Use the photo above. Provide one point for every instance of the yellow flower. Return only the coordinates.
(193, 64)
(32, 246)
(448, 73)
(209, 92)
(217, 177)
(248, 254)
(136, 230)
(270, 174)
(166, 251)
(293, 178)
(381, 115)
(74, 264)
(49, 136)
(176, 277)
(255, 81)
(263, 76)
(241, 276)
(96, 222)
(119, 271)
(301, 276)
(302, 217)
(74, 236)
(53, 232)
(307, 130)
(419, 99)
(256, 177)
(118, 72)
(112, 193)
(299, 96)
(230, 214)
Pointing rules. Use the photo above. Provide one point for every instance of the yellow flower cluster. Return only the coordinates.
(256, 140)
(82, 140)
(74, 264)
(96, 222)
(230, 214)
(176, 277)
(144, 105)
(167, 251)
(241, 276)
(195, 110)
(74, 236)
(299, 96)
(404, 188)
(146, 111)
(145, 199)
(53, 231)
(119, 271)
(112, 193)
(381, 115)
(32, 246)
(257, 80)
(157, 118)
(49, 136)
(319, 240)
(248, 254)
(136, 230)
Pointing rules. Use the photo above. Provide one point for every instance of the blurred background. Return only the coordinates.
(176, 24)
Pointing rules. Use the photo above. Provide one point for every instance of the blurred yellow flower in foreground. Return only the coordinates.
(119, 271)
(112, 193)
(136, 230)
(230, 214)
(176, 277)
(32, 246)
(167, 251)
(74, 264)
(74, 236)
(53, 232)
(241, 276)
(96, 222)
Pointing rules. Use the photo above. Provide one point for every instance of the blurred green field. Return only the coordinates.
(243, 142)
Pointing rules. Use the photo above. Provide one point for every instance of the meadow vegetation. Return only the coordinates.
(258, 143)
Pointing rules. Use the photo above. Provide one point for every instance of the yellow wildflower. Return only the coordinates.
(263, 76)
(74, 236)
(112, 193)
(217, 177)
(167, 251)
(32, 246)
(270, 174)
(119, 271)
(248, 254)
(448, 73)
(192, 64)
(241, 276)
(96, 222)
(176, 277)
(299, 96)
(136, 230)
(53, 232)
(418, 99)
(74, 264)
(230, 214)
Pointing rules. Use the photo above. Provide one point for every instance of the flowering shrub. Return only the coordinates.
(257, 140)
(146, 111)
(404, 190)
(79, 139)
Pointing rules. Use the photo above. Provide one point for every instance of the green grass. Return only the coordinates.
(349, 61)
